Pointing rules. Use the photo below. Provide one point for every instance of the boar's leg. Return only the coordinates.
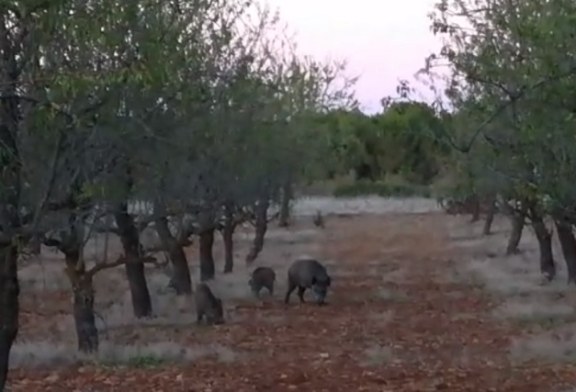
(291, 287)
(301, 290)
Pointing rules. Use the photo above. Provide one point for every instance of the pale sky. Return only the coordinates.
(383, 40)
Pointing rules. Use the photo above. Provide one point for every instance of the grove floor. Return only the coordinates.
(394, 323)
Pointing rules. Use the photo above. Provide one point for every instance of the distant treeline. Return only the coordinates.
(399, 142)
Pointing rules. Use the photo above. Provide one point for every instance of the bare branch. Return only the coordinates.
(52, 242)
(51, 180)
(105, 229)
(121, 261)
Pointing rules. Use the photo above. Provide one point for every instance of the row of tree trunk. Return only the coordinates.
(528, 211)
(82, 280)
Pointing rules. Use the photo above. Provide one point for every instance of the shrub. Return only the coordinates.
(380, 188)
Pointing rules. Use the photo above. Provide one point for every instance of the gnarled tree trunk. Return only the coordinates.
(9, 306)
(475, 208)
(207, 269)
(228, 238)
(84, 319)
(286, 198)
(516, 216)
(516, 234)
(35, 245)
(135, 271)
(568, 245)
(71, 244)
(489, 217)
(547, 264)
(180, 271)
(10, 187)
(261, 228)
(83, 292)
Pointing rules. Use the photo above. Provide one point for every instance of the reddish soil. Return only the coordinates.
(431, 346)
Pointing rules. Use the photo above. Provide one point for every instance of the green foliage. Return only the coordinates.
(188, 103)
(405, 127)
(149, 361)
(511, 87)
(394, 142)
(138, 361)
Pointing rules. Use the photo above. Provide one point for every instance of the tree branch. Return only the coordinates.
(513, 99)
(105, 229)
(52, 243)
(121, 261)
(51, 180)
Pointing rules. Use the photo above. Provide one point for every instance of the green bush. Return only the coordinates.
(383, 189)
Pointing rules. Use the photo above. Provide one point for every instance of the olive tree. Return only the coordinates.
(46, 109)
(510, 62)
(238, 141)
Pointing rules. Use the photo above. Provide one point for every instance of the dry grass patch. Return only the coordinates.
(516, 279)
(483, 258)
(308, 206)
(43, 276)
(375, 355)
(381, 318)
(512, 276)
(43, 353)
(547, 347)
(539, 312)
(396, 276)
(388, 294)
(455, 276)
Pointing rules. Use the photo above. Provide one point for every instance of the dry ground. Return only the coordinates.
(420, 302)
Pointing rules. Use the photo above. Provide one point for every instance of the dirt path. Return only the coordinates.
(393, 325)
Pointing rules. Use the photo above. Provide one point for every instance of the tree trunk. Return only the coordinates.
(475, 209)
(84, 319)
(547, 264)
(261, 228)
(10, 194)
(489, 217)
(568, 244)
(207, 269)
(228, 238)
(135, 272)
(180, 271)
(9, 306)
(517, 220)
(287, 196)
(35, 246)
